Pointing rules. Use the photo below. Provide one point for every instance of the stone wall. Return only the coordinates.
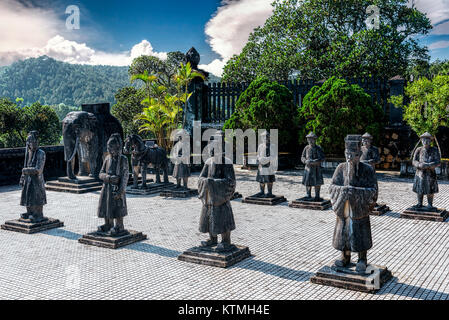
(11, 164)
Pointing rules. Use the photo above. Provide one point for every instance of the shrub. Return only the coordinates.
(337, 109)
(266, 105)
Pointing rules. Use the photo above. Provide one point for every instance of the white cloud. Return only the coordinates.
(439, 45)
(228, 30)
(437, 11)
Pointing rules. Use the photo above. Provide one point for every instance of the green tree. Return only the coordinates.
(62, 110)
(11, 124)
(128, 106)
(45, 120)
(429, 104)
(422, 68)
(335, 110)
(266, 105)
(317, 39)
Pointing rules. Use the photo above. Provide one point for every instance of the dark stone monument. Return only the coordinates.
(353, 193)
(141, 157)
(85, 134)
(267, 164)
(112, 205)
(181, 171)
(312, 157)
(33, 192)
(370, 155)
(216, 186)
(426, 159)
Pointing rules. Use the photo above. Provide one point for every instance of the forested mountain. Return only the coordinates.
(52, 82)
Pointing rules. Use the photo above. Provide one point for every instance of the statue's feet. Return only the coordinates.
(178, 186)
(25, 216)
(209, 243)
(343, 262)
(430, 208)
(260, 195)
(104, 228)
(318, 199)
(36, 218)
(224, 246)
(143, 187)
(116, 231)
(361, 266)
(270, 195)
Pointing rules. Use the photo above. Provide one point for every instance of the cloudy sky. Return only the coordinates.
(113, 32)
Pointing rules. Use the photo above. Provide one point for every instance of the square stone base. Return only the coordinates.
(99, 240)
(210, 257)
(348, 278)
(310, 203)
(265, 201)
(152, 188)
(179, 193)
(28, 227)
(439, 215)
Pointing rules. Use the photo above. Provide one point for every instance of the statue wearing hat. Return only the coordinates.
(32, 180)
(370, 154)
(353, 193)
(267, 160)
(115, 174)
(426, 159)
(312, 157)
(181, 169)
(216, 186)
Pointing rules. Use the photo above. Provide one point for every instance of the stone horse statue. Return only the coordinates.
(142, 156)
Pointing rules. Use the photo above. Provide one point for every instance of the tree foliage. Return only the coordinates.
(128, 106)
(266, 105)
(429, 104)
(317, 39)
(16, 122)
(337, 109)
(53, 82)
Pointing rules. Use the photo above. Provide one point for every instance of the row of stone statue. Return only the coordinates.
(353, 191)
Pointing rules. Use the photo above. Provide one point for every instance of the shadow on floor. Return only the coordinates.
(149, 248)
(411, 291)
(273, 269)
(63, 234)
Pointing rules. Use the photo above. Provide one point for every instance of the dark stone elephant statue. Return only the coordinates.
(85, 134)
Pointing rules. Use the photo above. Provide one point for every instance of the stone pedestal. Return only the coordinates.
(210, 257)
(380, 209)
(28, 227)
(348, 278)
(236, 196)
(265, 201)
(151, 188)
(104, 241)
(79, 185)
(179, 193)
(310, 203)
(424, 213)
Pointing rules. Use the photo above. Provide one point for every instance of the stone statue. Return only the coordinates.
(115, 175)
(312, 157)
(353, 192)
(32, 180)
(267, 161)
(426, 159)
(85, 134)
(216, 186)
(142, 156)
(181, 170)
(370, 154)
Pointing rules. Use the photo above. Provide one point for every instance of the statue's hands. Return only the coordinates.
(116, 195)
(106, 178)
(114, 179)
(22, 181)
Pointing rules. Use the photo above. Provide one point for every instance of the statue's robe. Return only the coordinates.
(181, 169)
(33, 191)
(109, 207)
(313, 175)
(370, 156)
(216, 214)
(268, 163)
(353, 230)
(426, 179)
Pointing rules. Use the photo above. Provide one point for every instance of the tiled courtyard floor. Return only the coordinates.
(288, 245)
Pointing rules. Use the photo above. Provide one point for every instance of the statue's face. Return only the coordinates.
(425, 142)
(113, 148)
(366, 142)
(311, 141)
(352, 156)
(33, 144)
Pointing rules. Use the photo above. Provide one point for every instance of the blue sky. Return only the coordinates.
(114, 32)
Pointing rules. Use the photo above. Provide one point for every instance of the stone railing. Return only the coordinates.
(11, 164)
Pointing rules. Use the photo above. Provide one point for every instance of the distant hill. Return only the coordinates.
(53, 82)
